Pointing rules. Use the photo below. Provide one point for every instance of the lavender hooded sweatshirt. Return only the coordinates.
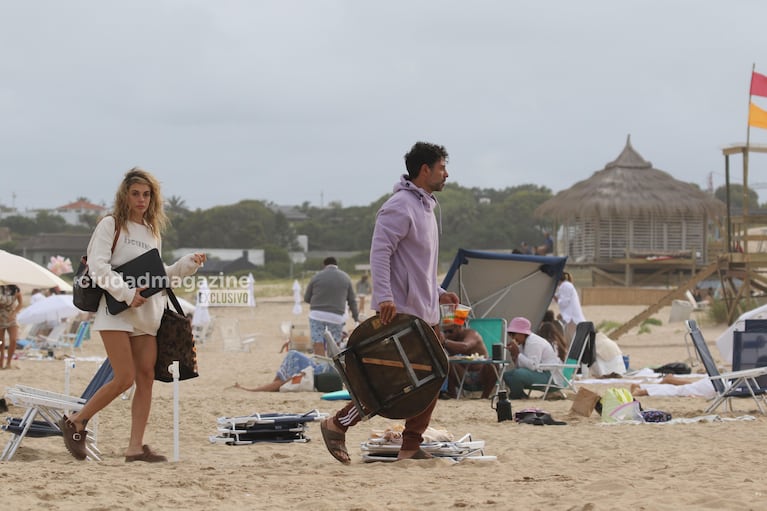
(403, 253)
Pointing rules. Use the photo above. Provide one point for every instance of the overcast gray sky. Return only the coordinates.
(313, 100)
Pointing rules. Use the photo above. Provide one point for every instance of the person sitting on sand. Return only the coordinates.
(293, 363)
(674, 386)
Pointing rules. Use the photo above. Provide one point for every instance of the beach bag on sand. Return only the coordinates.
(655, 416)
(175, 342)
(328, 382)
(301, 382)
(618, 405)
(584, 402)
(626, 412)
(536, 417)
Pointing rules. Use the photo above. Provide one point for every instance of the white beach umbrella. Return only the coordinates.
(201, 316)
(251, 291)
(296, 297)
(52, 308)
(27, 274)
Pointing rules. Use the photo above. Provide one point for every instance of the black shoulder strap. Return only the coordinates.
(117, 235)
(174, 301)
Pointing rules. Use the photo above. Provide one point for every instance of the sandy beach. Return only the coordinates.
(584, 465)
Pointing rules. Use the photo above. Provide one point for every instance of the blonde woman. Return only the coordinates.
(129, 339)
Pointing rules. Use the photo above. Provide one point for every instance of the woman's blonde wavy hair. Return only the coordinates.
(154, 217)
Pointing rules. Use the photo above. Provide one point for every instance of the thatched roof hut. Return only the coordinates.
(630, 209)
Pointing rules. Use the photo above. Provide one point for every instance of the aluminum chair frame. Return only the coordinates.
(729, 384)
(583, 339)
(44, 409)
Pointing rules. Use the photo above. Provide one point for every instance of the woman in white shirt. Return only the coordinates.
(134, 227)
(528, 352)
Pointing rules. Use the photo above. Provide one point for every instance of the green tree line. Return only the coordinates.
(476, 218)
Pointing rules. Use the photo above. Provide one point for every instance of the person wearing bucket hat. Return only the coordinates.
(528, 351)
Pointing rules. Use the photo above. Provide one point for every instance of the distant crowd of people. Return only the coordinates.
(545, 248)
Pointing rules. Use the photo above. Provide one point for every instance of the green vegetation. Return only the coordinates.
(608, 326)
(477, 218)
(717, 310)
(644, 328)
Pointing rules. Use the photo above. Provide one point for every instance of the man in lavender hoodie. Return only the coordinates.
(403, 264)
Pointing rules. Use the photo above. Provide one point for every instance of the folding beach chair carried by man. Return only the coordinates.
(727, 385)
(44, 409)
(393, 370)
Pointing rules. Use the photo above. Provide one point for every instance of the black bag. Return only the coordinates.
(674, 368)
(328, 382)
(86, 295)
(175, 342)
(536, 417)
(655, 416)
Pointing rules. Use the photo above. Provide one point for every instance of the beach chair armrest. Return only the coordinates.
(745, 373)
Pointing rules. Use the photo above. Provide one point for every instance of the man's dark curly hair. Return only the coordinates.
(420, 153)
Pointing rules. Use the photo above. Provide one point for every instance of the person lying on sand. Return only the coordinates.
(671, 385)
(293, 363)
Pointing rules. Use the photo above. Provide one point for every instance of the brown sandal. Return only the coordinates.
(148, 455)
(74, 440)
(335, 443)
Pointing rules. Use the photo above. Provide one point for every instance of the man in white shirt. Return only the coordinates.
(569, 304)
(37, 295)
(528, 351)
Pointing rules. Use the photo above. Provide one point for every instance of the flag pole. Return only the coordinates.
(745, 163)
(748, 129)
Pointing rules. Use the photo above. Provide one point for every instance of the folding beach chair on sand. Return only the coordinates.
(380, 449)
(44, 409)
(264, 427)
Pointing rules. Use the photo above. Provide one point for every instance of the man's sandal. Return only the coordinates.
(74, 440)
(335, 443)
